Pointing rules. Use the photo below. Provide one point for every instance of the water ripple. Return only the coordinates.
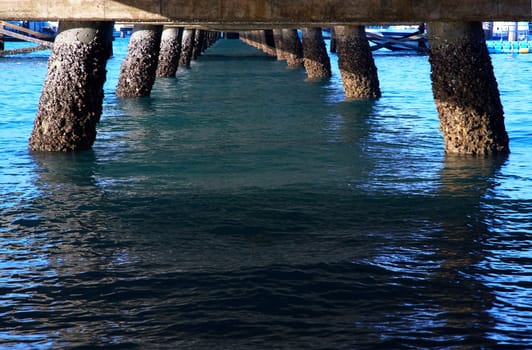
(243, 207)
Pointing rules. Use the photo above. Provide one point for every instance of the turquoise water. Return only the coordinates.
(242, 207)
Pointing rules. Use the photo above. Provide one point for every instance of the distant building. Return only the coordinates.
(511, 31)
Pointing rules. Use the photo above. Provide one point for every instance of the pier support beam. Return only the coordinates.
(198, 46)
(333, 41)
(252, 38)
(465, 90)
(71, 101)
(138, 70)
(355, 60)
(293, 48)
(269, 43)
(315, 58)
(169, 52)
(244, 36)
(211, 38)
(260, 39)
(278, 39)
(257, 40)
(187, 47)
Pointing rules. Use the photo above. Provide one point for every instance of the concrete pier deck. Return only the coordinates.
(268, 13)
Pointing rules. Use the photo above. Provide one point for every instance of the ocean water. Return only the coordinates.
(243, 207)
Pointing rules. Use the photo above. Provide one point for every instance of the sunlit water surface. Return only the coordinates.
(242, 207)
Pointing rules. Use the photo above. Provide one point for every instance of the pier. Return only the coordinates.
(471, 114)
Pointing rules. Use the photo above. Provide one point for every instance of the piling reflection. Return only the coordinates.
(469, 176)
(349, 124)
(69, 189)
(347, 131)
(434, 261)
(461, 246)
(57, 257)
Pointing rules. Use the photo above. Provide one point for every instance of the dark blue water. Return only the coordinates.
(242, 207)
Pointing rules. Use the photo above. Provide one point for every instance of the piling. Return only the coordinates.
(257, 38)
(198, 44)
(333, 41)
(243, 36)
(253, 38)
(278, 39)
(465, 90)
(187, 47)
(293, 48)
(260, 39)
(315, 58)
(269, 43)
(209, 38)
(137, 74)
(170, 52)
(71, 101)
(212, 37)
(355, 60)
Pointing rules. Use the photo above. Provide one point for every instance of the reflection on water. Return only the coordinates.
(242, 207)
(465, 176)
